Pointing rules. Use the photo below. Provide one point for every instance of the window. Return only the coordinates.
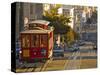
(35, 40)
(25, 41)
(43, 41)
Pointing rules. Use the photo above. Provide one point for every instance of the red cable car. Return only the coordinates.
(37, 42)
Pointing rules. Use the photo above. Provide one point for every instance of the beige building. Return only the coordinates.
(26, 12)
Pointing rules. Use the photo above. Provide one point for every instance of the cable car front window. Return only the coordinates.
(25, 41)
(43, 41)
(35, 40)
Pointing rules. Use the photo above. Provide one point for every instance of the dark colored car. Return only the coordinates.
(58, 51)
(74, 47)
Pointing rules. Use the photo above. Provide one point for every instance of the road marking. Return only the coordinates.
(73, 63)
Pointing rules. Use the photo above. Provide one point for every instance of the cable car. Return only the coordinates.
(37, 41)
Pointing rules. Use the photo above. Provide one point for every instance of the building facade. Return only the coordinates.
(26, 12)
(69, 11)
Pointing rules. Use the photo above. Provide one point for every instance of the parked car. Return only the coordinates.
(81, 43)
(74, 47)
(95, 47)
(58, 51)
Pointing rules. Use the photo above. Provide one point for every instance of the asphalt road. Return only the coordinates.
(71, 60)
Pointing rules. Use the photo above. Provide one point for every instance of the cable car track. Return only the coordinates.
(43, 68)
(72, 63)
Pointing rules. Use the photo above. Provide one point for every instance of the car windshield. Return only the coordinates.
(56, 47)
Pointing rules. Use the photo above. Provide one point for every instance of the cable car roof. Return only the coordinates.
(36, 31)
(43, 22)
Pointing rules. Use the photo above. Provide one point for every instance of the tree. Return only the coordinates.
(94, 17)
(59, 22)
(70, 37)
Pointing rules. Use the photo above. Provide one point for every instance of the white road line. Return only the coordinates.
(72, 63)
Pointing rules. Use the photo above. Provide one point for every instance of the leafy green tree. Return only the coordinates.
(69, 37)
(94, 16)
(59, 22)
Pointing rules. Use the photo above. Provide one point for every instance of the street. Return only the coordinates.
(80, 59)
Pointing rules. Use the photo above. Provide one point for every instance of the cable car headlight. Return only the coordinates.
(20, 52)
